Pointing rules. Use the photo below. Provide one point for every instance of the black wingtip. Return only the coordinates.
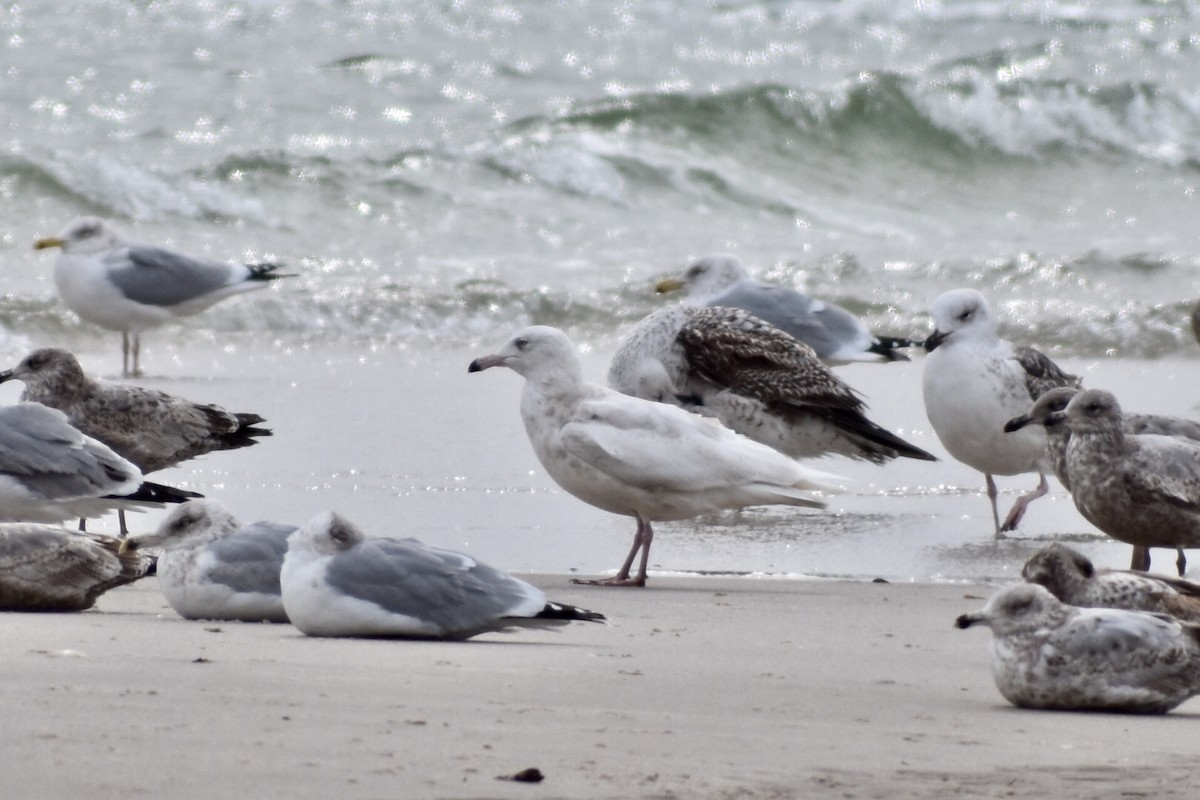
(266, 271)
(564, 611)
(158, 493)
(889, 347)
(474, 366)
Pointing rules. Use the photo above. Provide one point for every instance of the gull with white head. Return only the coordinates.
(639, 458)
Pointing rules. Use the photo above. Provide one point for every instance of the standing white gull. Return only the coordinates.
(974, 383)
(50, 471)
(129, 287)
(1072, 578)
(754, 378)
(50, 568)
(1049, 655)
(1141, 489)
(836, 335)
(213, 567)
(1058, 436)
(635, 457)
(338, 582)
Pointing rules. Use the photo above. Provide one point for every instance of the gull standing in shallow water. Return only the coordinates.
(338, 582)
(974, 383)
(50, 568)
(129, 287)
(1049, 655)
(213, 567)
(754, 378)
(1140, 489)
(635, 457)
(836, 335)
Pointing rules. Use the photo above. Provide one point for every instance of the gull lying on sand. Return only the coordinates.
(1058, 436)
(975, 382)
(1072, 578)
(754, 378)
(642, 459)
(129, 287)
(50, 568)
(338, 582)
(836, 335)
(50, 471)
(1049, 655)
(212, 567)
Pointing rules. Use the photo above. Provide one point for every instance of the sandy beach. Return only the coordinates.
(697, 688)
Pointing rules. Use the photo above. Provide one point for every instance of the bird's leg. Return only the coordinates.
(991, 493)
(121, 520)
(641, 541)
(137, 354)
(1140, 559)
(125, 354)
(83, 524)
(1181, 562)
(1018, 509)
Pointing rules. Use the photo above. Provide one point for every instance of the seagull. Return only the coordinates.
(51, 568)
(50, 471)
(338, 582)
(1049, 655)
(213, 567)
(1072, 578)
(974, 383)
(1058, 436)
(635, 457)
(1141, 489)
(834, 333)
(129, 287)
(754, 378)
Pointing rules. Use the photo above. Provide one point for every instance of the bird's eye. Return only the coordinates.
(521, 343)
(964, 316)
(86, 231)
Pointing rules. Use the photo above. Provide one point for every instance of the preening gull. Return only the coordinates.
(50, 471)
(836, 335)
(338, 582)
(1142, 489)
(129, 287)
(1049, 655)
(213, 567)
(51, 568)
(639, 458)
(1072, 578)
(753, 377)
(1058, 436)
(975, 382)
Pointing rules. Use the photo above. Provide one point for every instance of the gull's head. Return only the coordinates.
(706, 277)
(1046, 411)
(1091, 411)
(1020, 608)
(50, 368)
(962, 314)
(535, 353)
(1057, 567)
(189, 524)
(83, 236)
(326, 534)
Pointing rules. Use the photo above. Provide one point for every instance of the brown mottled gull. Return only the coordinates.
(1050, 655)
(635, 457)
(50, 568)
(1072, 578)
(974, 382)
(755, 379)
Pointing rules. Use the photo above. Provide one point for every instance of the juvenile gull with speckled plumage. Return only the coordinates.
(1050, 655)
(975, 382)
(754, 378)
(213, 567)
(50, 568)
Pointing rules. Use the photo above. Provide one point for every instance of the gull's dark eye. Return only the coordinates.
(87, 231)
(965, 315)
(521, 343)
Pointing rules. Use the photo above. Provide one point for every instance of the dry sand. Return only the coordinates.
(698, 688)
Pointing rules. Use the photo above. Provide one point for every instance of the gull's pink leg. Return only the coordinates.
(1018, 509)
(641, 541)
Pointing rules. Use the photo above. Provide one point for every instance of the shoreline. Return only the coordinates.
(710, 687)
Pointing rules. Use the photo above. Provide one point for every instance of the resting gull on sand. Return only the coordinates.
(1049, 655)
(836, 335)
(51, 568)
(213, 567)
(635, 457)
(1141, 489)
(1058, 436)
(50, 471)
(754, 378)
(975, 382)
(130, 287)
(338, 582)
(1072, 578)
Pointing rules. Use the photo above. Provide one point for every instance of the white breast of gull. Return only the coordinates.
(1049, 655)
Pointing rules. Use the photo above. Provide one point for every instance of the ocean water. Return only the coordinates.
(442, 173)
